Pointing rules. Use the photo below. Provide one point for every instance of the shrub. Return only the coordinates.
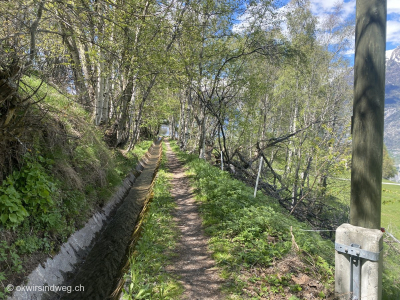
(26, 192)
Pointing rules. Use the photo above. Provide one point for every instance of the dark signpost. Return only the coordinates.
(368, 114)
(358, 245)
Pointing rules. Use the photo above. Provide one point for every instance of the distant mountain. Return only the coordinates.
(392, 105)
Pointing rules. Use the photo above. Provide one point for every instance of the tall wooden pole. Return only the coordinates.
(368, 113)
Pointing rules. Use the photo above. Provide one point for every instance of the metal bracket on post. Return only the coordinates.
(355, 273)
(356, 254)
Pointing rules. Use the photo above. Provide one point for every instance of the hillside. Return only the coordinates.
(66, 173)
(85, 84)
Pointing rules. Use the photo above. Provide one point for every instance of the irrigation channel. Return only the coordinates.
(101, 272)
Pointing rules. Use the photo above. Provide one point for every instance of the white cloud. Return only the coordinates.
(349, 52)
(322, 7)
(393, 32)
(259, 14)
(393, 7)
(349, 8)
(318, 6)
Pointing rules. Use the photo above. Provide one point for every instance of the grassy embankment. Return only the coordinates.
(391, 222)
(391, 208)
(252, 243)
(390, 200)
(250, 240)
(66, 174)
(263, 253)
(146, 278)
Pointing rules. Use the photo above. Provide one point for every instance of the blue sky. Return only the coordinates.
(321, 7)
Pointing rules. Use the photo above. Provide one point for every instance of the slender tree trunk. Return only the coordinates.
(88, 76)
(101, 89)
(202, 131)
(122, 122)
(33, 30)
(136, 129)
(182, 120)
(189, 121)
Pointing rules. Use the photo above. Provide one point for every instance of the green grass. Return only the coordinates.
(147, 278)
(238, 224)
(390, 201)
(248, 233)
(391, 208)
(390, 220)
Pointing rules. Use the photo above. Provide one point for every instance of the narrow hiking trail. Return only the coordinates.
(193, 263)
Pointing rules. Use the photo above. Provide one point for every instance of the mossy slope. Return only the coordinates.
(63, 175)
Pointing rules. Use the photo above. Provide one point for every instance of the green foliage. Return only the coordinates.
(295, 288)
(391, 274)
(66, 174)
(276, 280)
(11, 208)
(247, 231)
(31, 244)
(147, 278)
(10, 262)
(8, 254)
(391, 222)
(388, 165)
(141, 148)
(26, 192)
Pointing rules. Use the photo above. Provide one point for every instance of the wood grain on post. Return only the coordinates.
(368, 113)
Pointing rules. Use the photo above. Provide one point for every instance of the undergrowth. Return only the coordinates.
(248, 236)
(66, 174)
(391, 274)
(147, 278)
(390, 221)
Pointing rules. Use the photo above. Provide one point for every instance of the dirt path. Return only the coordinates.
(193, 263)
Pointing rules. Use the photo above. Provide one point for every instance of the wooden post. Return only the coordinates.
(222, 162)
(368, 114)
(357, 276)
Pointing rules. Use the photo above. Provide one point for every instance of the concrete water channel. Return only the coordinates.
(100, 272)
(95, 261)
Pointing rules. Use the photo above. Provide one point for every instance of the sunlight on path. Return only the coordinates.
(193, 263)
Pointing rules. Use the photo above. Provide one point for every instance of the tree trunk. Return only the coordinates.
(136, 129)
(88, 76)
(100, 89)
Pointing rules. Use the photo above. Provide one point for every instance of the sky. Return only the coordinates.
(321, 7)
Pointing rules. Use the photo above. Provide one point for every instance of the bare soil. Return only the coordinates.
(193, 263)
(300, 274)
